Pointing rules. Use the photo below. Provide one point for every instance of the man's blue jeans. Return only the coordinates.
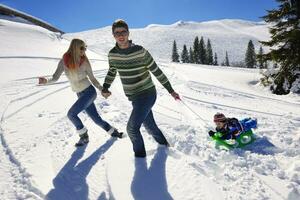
(85, 102)
(142, 114)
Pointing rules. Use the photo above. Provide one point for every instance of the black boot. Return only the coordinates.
(116, 133)
(84, 139)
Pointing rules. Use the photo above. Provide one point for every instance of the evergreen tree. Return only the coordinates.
(191, 56)
(261, 62)
(285, 44)
(185, 55)
(196, 51)
(250, 57)
(226, 60)
(215, 59)
(175, 55)
(202, 52)
(209, 59)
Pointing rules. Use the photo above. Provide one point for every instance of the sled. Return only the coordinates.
(241, 141)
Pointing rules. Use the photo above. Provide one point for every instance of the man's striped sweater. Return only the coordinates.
(133, 65)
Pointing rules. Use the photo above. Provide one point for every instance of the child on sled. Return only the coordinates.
(231, 128)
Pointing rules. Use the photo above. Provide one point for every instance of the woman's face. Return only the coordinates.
(82, 49)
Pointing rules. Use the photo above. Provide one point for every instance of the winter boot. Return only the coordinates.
(84, 139)
(115, 133)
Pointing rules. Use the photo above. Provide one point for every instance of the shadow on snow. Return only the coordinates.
(70, 182)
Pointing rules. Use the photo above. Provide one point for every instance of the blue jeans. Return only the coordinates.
(85, 102)
(142, 114)
(248, 123)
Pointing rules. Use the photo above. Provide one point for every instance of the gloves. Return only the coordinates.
(211, 133)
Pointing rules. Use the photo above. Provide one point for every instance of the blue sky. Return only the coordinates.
(80, 15)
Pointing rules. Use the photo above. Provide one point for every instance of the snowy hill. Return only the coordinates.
(38, 159)
(225, 35)
(12, 14)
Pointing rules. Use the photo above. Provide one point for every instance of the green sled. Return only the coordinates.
(243, 139)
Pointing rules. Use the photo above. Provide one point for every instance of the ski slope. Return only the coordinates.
(229, 35)
(38, 159)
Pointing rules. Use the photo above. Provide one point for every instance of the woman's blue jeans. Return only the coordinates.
(85, 102)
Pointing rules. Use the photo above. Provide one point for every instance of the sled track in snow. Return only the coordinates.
(98, 73)
(22, 178)
(40, 57)
(165, 115)
(24, 181)
(239, 93)
(33, 102)
(270, 187)
(231, 107)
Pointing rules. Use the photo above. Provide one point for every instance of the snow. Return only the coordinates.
(38, 159)
(22, 13)
(296, 86)
(226, 35)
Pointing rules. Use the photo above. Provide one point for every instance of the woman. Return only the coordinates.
(78, 69)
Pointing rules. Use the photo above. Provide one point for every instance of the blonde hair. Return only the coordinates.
(72, 57)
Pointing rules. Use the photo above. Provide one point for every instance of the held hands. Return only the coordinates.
(42, 80)
(105, 93)
(175, 95)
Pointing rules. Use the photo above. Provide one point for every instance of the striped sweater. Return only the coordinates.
(133, 65)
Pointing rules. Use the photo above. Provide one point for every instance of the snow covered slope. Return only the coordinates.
(27, 47)
(38, 159)
(10, 13)
(225, 35)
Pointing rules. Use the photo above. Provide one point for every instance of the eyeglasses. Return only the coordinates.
(120, 33)
(83, 48)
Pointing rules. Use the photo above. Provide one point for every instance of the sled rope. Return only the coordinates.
(192, 111)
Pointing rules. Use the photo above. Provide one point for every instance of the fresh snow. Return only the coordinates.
(226, 35)
(14, 18)
(38, 159)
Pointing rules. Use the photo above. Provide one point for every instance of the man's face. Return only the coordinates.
(121, 35)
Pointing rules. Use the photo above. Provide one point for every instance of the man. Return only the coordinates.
(133, 64)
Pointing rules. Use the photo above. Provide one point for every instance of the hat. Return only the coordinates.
(219, 117)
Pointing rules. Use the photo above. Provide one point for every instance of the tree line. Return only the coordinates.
(284, 54)
(202, 53)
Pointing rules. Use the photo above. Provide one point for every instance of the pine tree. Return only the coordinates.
(191, 56)
(261, 62)
(175, 55)
(226, 60)
(196, 50)
(250, 57)
(285, 44)
(185, 55)
(202, 52)
(210, 59)
(215, 59)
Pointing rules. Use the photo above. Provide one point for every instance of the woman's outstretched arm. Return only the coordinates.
(59, 70)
